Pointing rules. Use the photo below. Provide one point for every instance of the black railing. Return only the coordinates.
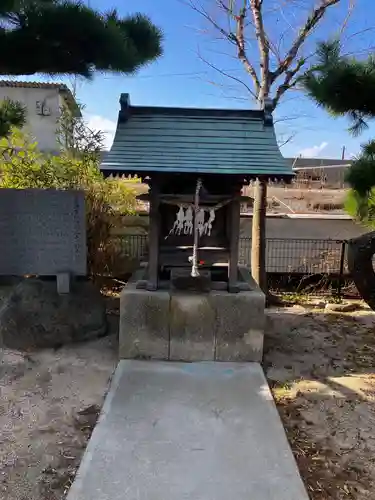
(298, 256)
(317, 265)
(134, 245)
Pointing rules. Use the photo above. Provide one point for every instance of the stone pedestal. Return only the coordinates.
(144, 325)
(239, 325)
(188, 326)
(192, 319)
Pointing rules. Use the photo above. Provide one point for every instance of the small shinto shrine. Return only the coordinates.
(186, 300)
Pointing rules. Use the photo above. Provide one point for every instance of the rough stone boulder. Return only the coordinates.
(35, 315)
(360, 254)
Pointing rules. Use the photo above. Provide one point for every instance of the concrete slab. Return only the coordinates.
(188, 431)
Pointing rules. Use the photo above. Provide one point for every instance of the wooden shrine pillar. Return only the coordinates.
(258, 236)
(234, 236)
(153, 238)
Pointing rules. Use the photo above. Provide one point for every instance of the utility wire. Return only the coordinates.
(168, 75)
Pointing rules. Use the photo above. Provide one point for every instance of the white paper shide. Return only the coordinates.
(183, 225)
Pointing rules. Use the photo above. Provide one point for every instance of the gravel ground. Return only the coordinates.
(320, 366)
(49, 404)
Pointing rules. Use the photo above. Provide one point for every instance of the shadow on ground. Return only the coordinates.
(320, 367)
(321, 370)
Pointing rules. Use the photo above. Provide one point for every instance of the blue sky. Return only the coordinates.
(182, 78)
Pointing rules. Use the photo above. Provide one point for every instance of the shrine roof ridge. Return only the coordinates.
(151, 140)
(128, 110)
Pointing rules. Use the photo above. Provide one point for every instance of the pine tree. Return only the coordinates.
(345, 87)
(67, 37)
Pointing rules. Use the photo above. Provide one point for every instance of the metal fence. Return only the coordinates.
(299, 256)
(134, 245)
(319, 266)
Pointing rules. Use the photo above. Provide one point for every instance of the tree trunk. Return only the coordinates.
(258, 241)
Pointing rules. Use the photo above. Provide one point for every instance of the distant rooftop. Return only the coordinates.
(317, 162)
(61, 87)
(195, 140)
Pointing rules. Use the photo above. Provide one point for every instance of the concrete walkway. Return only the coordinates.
(188, 431)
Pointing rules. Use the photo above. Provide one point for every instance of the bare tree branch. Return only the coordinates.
(289, 118)
(360, 32)
(287, 140)
(311, 22)
(344, 25)
(228, 75)
(288, 82)
(275, 49)
(200, 10)
(264, 52)
(241, 47)
(237, 39)
(246, 22)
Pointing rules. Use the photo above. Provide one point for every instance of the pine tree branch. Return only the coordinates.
(342, 85)
(33, 39)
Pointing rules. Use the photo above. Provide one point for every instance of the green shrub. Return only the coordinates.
(361, 208)
(23, 166)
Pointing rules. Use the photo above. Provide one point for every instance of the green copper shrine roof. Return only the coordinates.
(204, 141)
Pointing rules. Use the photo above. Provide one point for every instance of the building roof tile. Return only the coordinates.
(190, 140)
(61, 87)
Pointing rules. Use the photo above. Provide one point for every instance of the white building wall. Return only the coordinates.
(42, 127)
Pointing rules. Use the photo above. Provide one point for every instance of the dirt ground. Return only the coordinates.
(49, 404)
(320, 367)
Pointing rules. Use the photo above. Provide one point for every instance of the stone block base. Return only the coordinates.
(192, 327)
(144, 328)
(188, 326)
(239, 325)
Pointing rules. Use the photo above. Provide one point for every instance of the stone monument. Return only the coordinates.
(192, 301)
(43, 232)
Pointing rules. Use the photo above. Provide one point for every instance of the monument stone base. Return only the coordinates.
(175, 325)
